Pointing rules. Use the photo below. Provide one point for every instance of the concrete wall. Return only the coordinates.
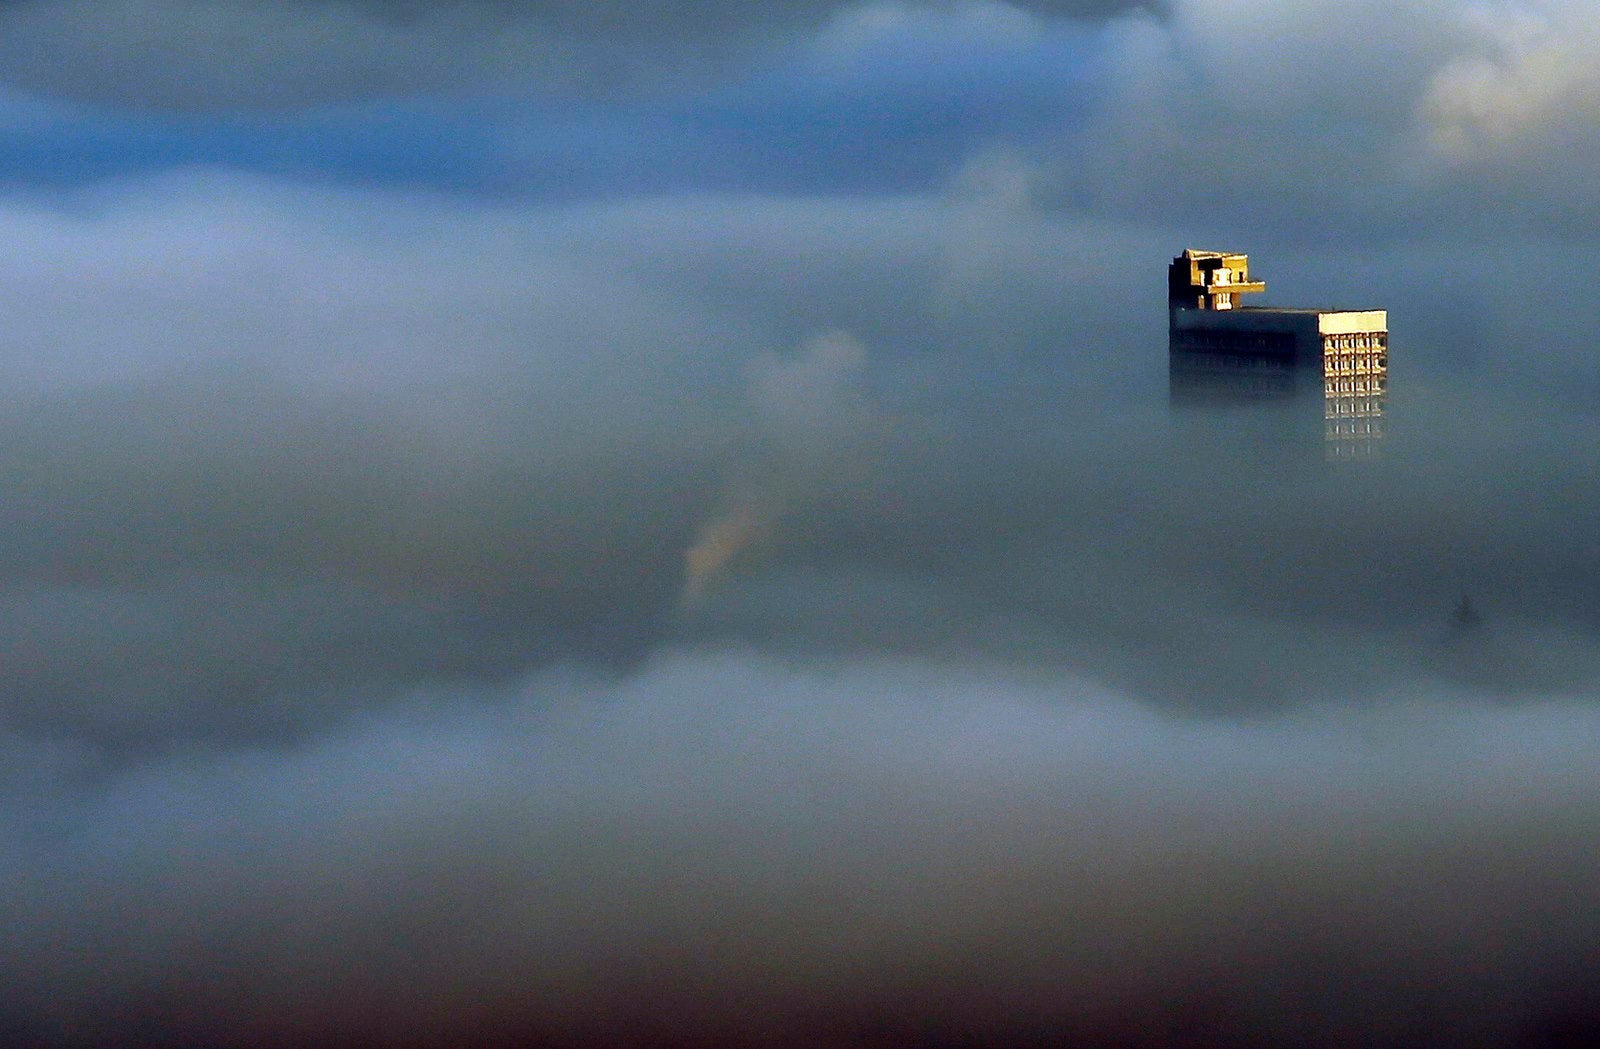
(1352, 322)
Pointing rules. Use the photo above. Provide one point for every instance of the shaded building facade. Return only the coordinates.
(1223, 352)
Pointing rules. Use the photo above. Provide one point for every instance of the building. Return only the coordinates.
(1222, 351)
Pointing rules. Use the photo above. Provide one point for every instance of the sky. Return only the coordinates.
(663, 524)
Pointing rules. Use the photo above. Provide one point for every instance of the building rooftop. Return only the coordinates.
(1209, 280)
(1215, 280)
(1304, 309)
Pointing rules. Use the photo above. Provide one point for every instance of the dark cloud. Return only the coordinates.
(244, 53)
(731, 850)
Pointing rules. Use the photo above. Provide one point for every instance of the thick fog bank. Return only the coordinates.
(339, 449)
(724, 848)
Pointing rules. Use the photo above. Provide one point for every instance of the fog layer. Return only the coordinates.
(529, 526)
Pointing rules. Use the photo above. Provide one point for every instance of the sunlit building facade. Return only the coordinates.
(1220, 350)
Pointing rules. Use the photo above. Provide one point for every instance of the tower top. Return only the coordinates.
(1209, 280)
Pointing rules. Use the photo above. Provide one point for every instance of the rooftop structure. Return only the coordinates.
(1209, 280)
(1220, 348)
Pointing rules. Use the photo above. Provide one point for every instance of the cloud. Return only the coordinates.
(262, 437)
(859, 27)
(174, 53)
(1526, 68)
(726, 848)
(1340, 132)
(1517, 106)
(812, 398)
(1336, 130)
(811, 422)
(245, 53)
(348, 688)
(280, 454)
